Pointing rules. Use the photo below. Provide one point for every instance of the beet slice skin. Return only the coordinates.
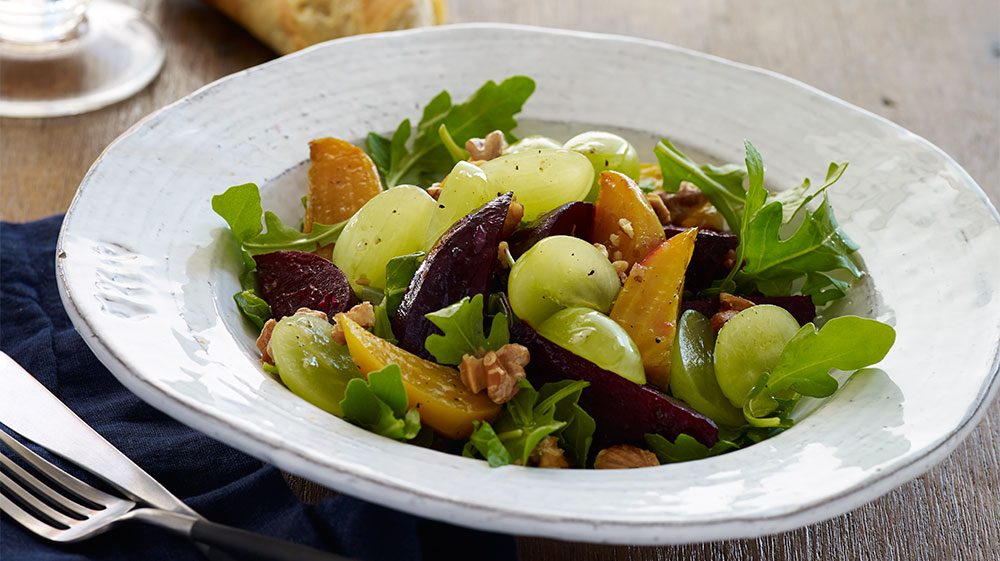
(571, 219)
(624, 411)
(460, 264)
(708, 262)
(801, 307)
(290, 280)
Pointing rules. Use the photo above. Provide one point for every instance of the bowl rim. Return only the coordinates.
(443, 508)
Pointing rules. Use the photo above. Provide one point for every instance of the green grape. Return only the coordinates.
(561, 272)
(749, 345)
(605, 151)
(310, 363)
(692, 371)
(391, 224)
(533, 142)
(541, 179)
(464, 190)
(597, 338)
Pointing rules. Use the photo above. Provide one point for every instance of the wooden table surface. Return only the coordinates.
(931, 66)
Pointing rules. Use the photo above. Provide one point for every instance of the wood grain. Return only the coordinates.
(933, 67)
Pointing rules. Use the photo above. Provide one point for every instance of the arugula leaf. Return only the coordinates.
(399, 272)
(685, 448)
(722, 185)
(457, 152)
(528, 418)
(845, 343)
(427, 159)
(462, 325)
(383, 326)
(253, 307)
(379, 405)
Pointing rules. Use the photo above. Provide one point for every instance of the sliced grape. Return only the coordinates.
(391, 224)
(749, 345)
(605, 151)
(597, 338)
(692, 371)
(533, 142)
(561, 272)
(309, 363)
(541, 179)
(463, 191)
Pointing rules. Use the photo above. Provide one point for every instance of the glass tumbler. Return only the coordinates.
(65, 57)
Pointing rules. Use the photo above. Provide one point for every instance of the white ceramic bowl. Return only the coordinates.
(147, 274)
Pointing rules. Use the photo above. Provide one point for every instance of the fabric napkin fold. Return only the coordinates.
(219, 482)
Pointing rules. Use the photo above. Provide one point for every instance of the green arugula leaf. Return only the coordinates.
(846, 343)
(457, 152)
(383, 325)
(379, 405)
(399, 272)
(685, 448)
(462, 325)
(280, 237)
(427, 159)
(253, 307)
(722, 185)
(531, 416)
(240, 207)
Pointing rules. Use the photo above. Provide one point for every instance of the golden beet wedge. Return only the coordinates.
(624, 221)
(648, 304)
(342, 178)
(436, 391)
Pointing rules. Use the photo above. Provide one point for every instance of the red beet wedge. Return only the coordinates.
(624, 411)
(571, 219)
(290, 280)
(708, 262)
(459, 265)
(801, 307)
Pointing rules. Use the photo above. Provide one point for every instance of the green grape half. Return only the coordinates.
(749, 345)
(692, 370)
(464, 190)
(391, 224)
(605, 151)
(561, 272)
(310, 363)
(597, 338)
(533, 142)
(541, 179)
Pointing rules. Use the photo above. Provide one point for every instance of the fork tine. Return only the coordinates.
(21, 516)
(56, 474)
(13, 487)
(34, 484)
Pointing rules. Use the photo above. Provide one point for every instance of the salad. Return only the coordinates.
(545, 303)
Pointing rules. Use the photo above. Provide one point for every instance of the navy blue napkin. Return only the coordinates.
(221, 483)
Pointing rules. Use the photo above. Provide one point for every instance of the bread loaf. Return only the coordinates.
(290, 25)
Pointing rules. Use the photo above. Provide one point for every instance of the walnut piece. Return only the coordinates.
(496, 371)
(434, 191)
(363, 314)
(661, 210)
(311, 312)
(264, 342)
(515, 212)
(690, 208)
(626, 227)
(485, 149)
(600, 247)
(624, 456)
(548, 454)
(621, 267)
(729, 306)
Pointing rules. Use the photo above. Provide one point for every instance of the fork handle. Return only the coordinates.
(257, 546)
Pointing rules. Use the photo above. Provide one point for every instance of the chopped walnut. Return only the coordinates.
(548, 454)
(729, 306)
(497, 372)
(485, 149)
(661, 210)
(264, 342)
(624, 456)
(600, 247)
(626, 227)
(363, 314)
(613, 240)
(515, 212)
(621, 267)
(690, 208)
(434, 191)
(617, 256)
(311, 312)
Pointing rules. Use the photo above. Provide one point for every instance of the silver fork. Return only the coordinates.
(85, 511)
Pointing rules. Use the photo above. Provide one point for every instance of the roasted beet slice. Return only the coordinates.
(290, 280)
(624, 411)
(459, 265)
(571, 219)
(801, 307)
(708, 262)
